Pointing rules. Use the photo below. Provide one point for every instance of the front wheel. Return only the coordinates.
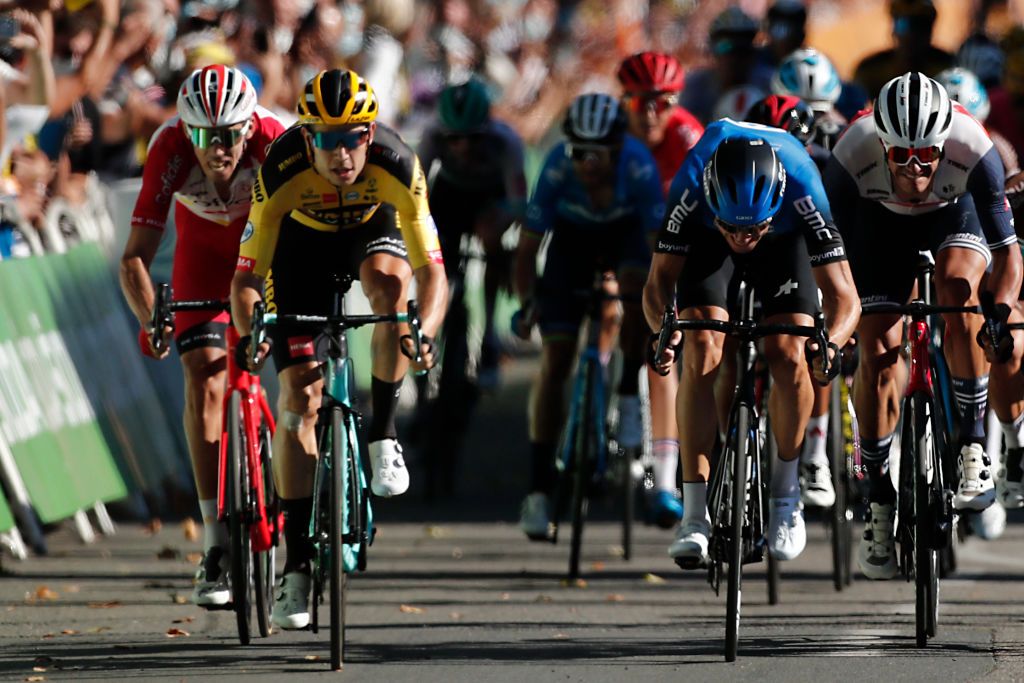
(926, 571)
(741, 453)
(238, 506)
(338, 467)
(263, 562)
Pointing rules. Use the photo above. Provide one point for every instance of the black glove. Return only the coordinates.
(424, 339)
(832, 364)
(652, 353)
(995, 330)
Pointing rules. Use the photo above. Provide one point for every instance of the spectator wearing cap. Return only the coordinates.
(734, 65)
(912, 23)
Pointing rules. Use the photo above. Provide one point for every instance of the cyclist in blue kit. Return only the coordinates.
(748, 199)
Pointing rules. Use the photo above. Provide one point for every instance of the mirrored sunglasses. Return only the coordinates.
(204, 138)
(901, 156)
(578, 152)
(738, 229)
(349, 139)
(659, 102)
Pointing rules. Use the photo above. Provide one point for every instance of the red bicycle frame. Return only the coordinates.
(254, 404)
(920, 364)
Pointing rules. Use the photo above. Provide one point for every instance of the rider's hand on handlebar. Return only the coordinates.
(523, 321)
(994, 336)
(146, 344)
(428, 353)
(822, 376)
(663, 365)
(243, 358)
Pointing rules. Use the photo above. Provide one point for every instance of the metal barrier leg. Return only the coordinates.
(103, 519)
(12, 541)
(84, 529)
(21, 505)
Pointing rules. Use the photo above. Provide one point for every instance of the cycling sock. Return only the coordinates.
(874, 454)
(542, 467)
(1013, 432)
(972, 399)
(815, 439)
(695, 500)
(629, 384)
(666, 460)
(297, 512)
(384, 396)
(785, 478)
(214, 532)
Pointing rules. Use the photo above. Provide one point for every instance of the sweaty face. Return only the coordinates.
(340, 162)
(743, 241)
(217, 156)
(913, 181)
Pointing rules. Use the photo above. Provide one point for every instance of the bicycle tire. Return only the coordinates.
(336, 526)
(772, 572)
(840, 539)
(263, 562)
(738, 492)
(925, 569)
(581, 474)
(628, 502)
(238, 498)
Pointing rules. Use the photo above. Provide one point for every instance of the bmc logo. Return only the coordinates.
(680, 212)
(806, 208)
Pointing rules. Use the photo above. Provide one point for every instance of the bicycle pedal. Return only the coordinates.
(691, 563)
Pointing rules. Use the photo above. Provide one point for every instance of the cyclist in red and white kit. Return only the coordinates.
(651, 83)
(203, 161)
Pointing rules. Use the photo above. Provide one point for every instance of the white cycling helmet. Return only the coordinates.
(809, 75)
(216, 95)
(595, 118)
(913, 110)
(964, 87)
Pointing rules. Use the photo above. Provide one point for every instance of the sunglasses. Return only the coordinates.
(659, 102)
(901, 156)
(349, 139)
(738, 229)
(204, 138)
(579, 152)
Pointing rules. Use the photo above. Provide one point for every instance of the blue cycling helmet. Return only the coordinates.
(744, 181)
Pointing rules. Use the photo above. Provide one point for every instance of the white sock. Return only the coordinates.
(695, 500)
(666, 458)
(1013, 432)
(815, 439)
(214, 532)
(785, 478)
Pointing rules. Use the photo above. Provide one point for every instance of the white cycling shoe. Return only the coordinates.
(989, 524)
(1009, 487)
(787, 535)
(211, 580)
(390, 477)
(690, 547)
(816, 488)
(291, 601)
(876, 554)
(977, 490)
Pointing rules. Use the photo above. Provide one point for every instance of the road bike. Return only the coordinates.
(246, 497)
(341, 525)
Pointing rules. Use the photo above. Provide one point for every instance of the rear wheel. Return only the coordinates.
(925, 557)
(581, 474)
(338, 468)
(238, 507)
(839, 519)
(263, 562)
(741, 452)
(772, 573)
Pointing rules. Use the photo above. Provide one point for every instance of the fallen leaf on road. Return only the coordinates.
(105, 605)
(597, 566)
(72, 589)
(616, 551)
(574, 583)
(184, 620)
(9, 608)
(190, 529)
(194, 558)
(44, 593)
(69, 632)
(47, 636)
(153, 527)
(434, 531)
(615, 597)
(543, 598)
(560, 636)
(311, 658)
(36, 678)
(506, 596)
(39, 669)
(410, 609)
(456, 615)
(168, 553)
(653, 578)
(98, 629)
(176, 632)
(456, 553)
(178, 599)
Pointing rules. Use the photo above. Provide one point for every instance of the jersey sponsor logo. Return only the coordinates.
(956, 164)
(809, 212)
(245, 264)
(864, 171)
(680, 212)
(167, 179)
(289, 161)
(350, 196)
(247, 232)
(300, 346)
(434, 256)
(329, 198)
(667, 248)
(257, 190)
(836, 254)
(639, 171)
(786, 288)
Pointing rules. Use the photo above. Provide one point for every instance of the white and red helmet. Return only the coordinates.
(216, 95)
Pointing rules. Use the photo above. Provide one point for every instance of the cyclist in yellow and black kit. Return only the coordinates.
(338, 195)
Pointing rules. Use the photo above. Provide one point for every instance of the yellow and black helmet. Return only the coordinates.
(337, 97)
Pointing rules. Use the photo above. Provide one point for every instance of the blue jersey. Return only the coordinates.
(560, 198)
(805, 207)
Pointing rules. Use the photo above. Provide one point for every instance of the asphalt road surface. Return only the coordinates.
(455, 593)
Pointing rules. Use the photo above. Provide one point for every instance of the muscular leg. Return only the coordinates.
(547, 409)
(878, 383)
(205, 371)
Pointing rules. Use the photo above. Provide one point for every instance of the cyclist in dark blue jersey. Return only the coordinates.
(748, 198)
(599, 196)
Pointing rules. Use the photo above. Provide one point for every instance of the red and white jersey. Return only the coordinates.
(861, 154)
(172, 174)
(682, 132)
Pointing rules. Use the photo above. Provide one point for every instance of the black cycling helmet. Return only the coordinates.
(789, 113)
(595, 119)
(744, 181)
(465, 108)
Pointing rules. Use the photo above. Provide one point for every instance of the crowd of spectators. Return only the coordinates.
(85, 83)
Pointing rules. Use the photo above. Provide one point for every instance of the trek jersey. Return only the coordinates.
(805, 207)
(682, 132)
(497, 163)
(290, 195)
(559, 197)
(970, 164)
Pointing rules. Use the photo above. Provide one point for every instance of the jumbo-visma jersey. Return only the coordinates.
(290, 195)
